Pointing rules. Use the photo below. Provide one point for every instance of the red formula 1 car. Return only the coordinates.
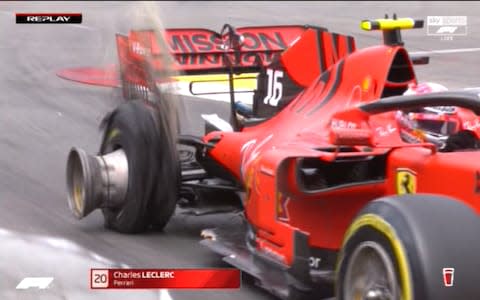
(335, 202)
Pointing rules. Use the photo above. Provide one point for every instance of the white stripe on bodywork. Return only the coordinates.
(218, 122)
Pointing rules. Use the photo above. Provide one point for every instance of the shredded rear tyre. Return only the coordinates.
(152, 160)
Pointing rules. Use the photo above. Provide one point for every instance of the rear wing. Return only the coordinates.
(143, 61)
(203, 49)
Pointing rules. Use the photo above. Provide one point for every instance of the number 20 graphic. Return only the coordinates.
(274, 86)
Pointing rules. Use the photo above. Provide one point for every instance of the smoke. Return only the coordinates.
(147, 15)
(168, 105)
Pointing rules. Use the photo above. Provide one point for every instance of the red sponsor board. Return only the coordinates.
(165, 278)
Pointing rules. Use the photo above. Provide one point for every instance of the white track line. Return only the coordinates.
(165, 295)
(446, 51)
(83, 27)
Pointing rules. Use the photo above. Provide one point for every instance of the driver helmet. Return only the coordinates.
(428, 124)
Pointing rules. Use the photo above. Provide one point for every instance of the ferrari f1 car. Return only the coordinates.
(335, 202)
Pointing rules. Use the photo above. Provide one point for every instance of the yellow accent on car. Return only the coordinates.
(387, 24)
(366, 83)
(366, 25)
(389, 232)
(113, 133)
(241, 81)
(406, 181)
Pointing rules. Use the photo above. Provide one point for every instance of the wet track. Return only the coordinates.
(42, 116)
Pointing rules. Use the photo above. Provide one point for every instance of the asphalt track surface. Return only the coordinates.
(42, 116)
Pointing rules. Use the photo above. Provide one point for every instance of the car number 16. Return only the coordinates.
(274, 86)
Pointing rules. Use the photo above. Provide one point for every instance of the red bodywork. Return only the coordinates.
(323, 117)
(315, 127)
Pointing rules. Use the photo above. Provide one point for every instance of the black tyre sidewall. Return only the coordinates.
(434, 232)
(151, 193)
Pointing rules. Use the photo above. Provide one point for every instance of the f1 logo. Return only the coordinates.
(447, 29)
(34, 282)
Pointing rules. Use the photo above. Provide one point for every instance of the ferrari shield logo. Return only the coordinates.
(406, 181)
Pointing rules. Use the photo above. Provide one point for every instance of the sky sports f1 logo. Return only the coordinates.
(48, 18)
(446, 25)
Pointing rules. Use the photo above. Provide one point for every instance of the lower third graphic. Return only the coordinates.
(172, 279)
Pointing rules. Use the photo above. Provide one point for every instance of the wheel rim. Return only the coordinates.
(76, 184)
(370, 274)
(78, 191)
